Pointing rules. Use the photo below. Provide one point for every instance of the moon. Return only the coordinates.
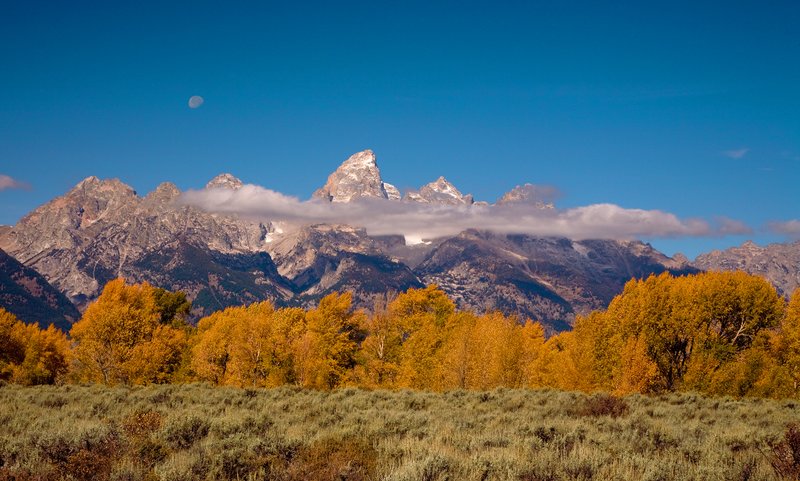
(195, 101)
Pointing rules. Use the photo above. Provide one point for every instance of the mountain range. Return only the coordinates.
(102, 229)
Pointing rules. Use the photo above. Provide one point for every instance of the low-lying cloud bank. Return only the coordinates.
(427, 221)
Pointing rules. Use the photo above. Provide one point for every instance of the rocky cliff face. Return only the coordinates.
(357, 177)
(546, 279)
(26, 294)
(439, 191)
(101, 230)
(525, 194)
(321, 259)
(778, 263)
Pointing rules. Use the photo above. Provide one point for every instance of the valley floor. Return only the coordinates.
(184, 432)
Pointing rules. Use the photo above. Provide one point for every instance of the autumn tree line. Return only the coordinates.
(721, 333)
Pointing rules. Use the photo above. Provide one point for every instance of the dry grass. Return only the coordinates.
(196, 432)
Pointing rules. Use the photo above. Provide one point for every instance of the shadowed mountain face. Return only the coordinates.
(322, 259)
(28, 295)
(549, 279)
(101, 229)
(778, 263)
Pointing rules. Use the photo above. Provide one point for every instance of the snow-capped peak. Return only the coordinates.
(528, 194)
(224, 181)
(358, 176)
(440, 191)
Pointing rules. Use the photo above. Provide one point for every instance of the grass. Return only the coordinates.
(186, 432)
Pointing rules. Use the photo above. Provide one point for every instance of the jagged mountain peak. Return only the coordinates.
(364, 159)
(750, 245)
(164, 192)
(442, 185)
(780, 263)
(440, 191)
(89, 181)
(392, 192)
(95, 186)
(525, 194)
(356, 177)
(224, 181)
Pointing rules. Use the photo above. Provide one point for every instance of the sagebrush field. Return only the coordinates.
(195, 431)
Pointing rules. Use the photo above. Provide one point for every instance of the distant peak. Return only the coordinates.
(442, 185)
(528, 194)
(224, 181)
(356, 177)
(365, 158)
(680, 258)
(440, 191)
(164, 191)
(392, 192)
(94, 184)
(88, 181)
(750, 245)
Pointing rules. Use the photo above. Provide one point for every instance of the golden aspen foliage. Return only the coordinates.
(120, 338)
(30, 355)
(534, 363)
(586, 358)
(561, 361)
(47, 355)
(456, 357)
(654, 311)
(424, 316)
(489, 351)
(787, 344)
(708, 332)
(325, 354)
(732, 308)
(378, 357)
(251, 346)
(288, 326)
(637, 372)
(246, 346)
(12, 350)
(211, 345)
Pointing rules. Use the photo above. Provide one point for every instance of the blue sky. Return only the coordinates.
(688, 107)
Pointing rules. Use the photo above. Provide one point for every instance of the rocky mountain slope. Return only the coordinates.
(544, 278)
(101, 229)
(28, 295)
(779, 263)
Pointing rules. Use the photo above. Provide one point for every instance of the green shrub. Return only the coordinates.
(604, 405)
(183, 433)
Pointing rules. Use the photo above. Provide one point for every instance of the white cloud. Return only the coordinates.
(736, 153)
(726, 226)
(8, 182)
(789, 228)
(425, 221)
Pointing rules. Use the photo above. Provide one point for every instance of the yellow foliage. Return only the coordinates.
(379, 353)
(326, 352)
(247, 346)
(120, 338)
(30, 355)
(424, 316)
(637, 371)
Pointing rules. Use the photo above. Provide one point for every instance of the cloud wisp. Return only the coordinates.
(428, 221)
(736, 153)
(789, 228)
(7, 182)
